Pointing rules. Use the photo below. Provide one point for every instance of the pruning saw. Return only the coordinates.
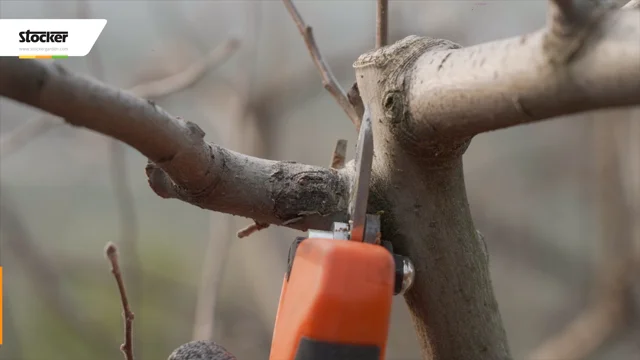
(336, 295)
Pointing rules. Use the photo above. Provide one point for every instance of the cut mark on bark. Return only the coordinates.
(444, 60)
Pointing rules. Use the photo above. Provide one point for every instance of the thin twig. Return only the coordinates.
(256, 226)
(127, 347)
(382, 23)
(328, 80)
(356, 101)
(339, 154)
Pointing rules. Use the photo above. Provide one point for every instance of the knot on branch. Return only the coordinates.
(160, 182)
(317, 192)
(393, 105)
(196, 132)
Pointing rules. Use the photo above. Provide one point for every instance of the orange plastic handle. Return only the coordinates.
(339, 294)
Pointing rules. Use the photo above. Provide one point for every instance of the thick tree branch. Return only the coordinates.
(454, 93)
(427, 217)
(39, 125)
(328, 80)
(182, 165)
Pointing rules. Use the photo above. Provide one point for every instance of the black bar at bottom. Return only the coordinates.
(310, 349)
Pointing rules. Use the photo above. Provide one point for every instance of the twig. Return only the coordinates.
(382, 23)
(339, 154)
(127, 347)
(256, 226)
(328, 80)
(356, 101)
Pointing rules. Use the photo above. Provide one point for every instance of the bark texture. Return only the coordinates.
(181, 164)
(426, 215)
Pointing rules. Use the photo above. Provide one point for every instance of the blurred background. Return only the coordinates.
(557, 202)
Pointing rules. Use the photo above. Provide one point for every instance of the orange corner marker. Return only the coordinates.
(0, 305)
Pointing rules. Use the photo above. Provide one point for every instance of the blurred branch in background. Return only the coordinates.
(617, 268)
(328, 80)
(246, 136)
(19, 241)
(124, 203)
(45, 279)
(154, 89)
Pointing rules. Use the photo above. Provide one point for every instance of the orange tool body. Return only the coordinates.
(335, 302)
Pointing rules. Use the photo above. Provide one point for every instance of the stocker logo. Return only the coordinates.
(49, 38)
(43, 36)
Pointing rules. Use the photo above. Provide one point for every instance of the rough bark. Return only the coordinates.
(427, 217)
(182, 165)
(459, 92)
(428, 98)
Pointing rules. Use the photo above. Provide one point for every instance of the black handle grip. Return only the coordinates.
(310, 349)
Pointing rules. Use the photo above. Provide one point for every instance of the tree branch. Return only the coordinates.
(454, 93)
(328, 80)
(382, 23)
(182, 165)
(39, 125)
(111, 251)
(614, 275)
